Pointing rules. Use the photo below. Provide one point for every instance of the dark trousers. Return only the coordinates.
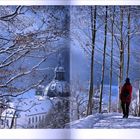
(125, 108)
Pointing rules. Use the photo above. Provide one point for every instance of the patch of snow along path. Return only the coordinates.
(106, 121)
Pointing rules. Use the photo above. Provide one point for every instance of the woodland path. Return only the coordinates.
(107, 121)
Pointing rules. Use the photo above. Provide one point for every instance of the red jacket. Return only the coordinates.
(127, 99)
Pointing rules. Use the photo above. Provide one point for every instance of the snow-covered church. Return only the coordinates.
(29, 109)
(58, 86)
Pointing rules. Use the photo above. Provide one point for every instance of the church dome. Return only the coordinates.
(59, 69)
(57, 88)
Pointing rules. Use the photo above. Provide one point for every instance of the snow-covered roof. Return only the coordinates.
(8, 113)
(31, 107)
(27, 104)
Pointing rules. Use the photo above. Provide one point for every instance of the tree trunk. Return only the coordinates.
(138, 114)
(121, 56)
(103, 66)
(128, 47)
(111, 63)
(13, 120)
(93, 29)
(78, 111)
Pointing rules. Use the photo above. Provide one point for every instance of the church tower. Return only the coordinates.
(59, 73)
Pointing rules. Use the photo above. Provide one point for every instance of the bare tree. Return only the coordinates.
(121, 48)
(128, 47)
(30, 39)
(78, 99)
(103, 67)
(91, 89)
(58, 116)
(26, 45)
(111, 63)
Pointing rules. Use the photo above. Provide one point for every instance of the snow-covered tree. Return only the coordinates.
(123, 61)
(30, 40)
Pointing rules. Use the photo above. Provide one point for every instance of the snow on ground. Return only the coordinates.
(106, 120)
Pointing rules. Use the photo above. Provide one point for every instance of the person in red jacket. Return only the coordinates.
(125, 97)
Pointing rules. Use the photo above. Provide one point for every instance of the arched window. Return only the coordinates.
(29, 120)
(39, 118)
(32, 119)
(36, 118)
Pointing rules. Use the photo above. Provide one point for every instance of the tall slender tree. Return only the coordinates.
(139, 98)
(121, 63)
(91, 90)
(128, 37)
(103, 66)
(111, 63)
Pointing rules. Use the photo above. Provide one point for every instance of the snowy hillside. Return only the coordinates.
(111, 120)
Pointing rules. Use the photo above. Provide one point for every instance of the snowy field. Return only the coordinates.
(106, 120)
